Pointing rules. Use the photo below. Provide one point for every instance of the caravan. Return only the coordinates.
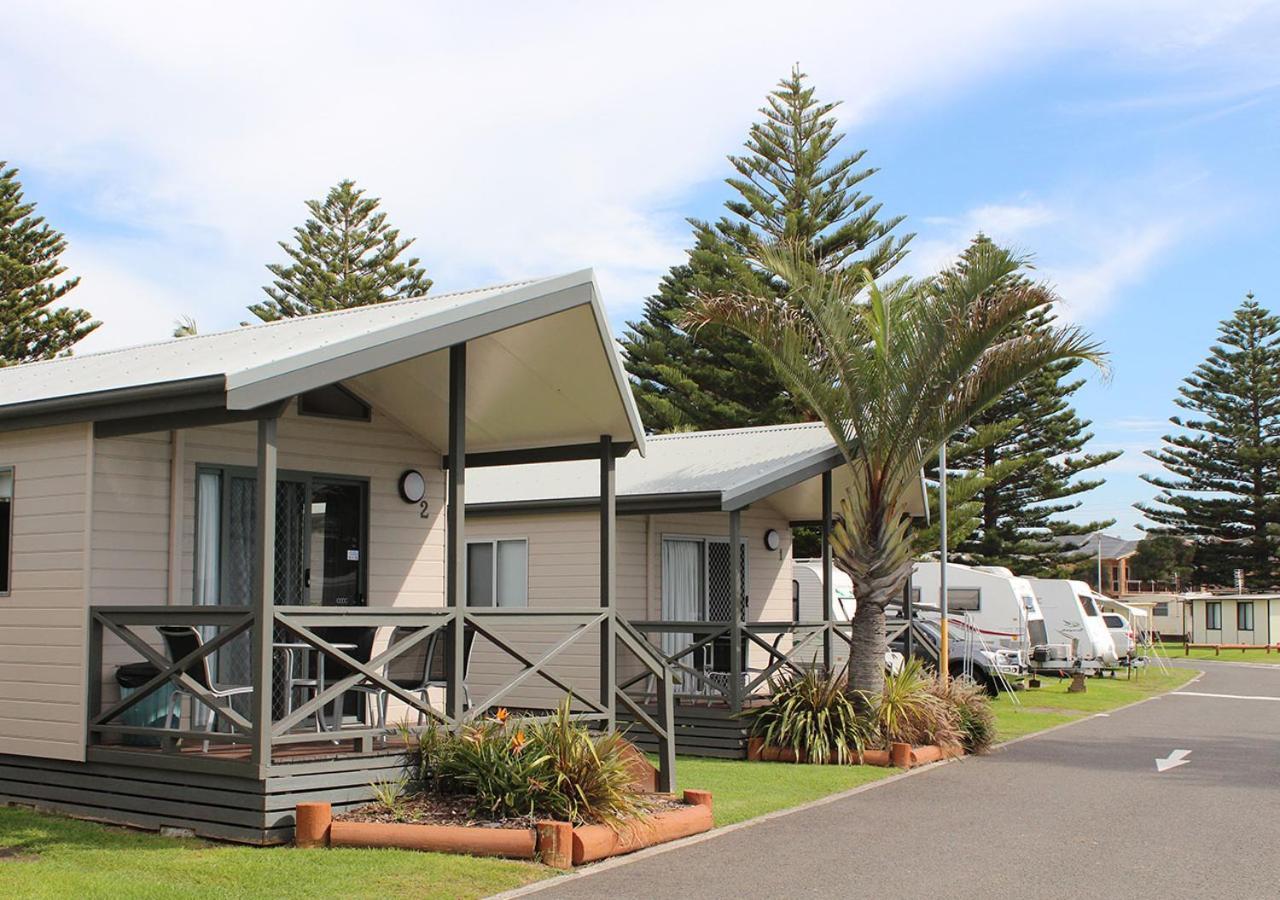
(1072, 616)
(993, 616)
(806, 606)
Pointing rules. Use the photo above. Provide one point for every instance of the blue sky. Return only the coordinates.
(1131, 148)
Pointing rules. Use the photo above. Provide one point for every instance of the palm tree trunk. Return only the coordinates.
(866, 654)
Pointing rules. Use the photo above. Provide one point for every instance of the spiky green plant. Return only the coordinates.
(811, 713)
(909, 711)
(389, 793)
(893, 371)
(590, 779)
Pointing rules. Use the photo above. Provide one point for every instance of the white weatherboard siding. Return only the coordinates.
(405, 556)
(42, 621)
(564, 571)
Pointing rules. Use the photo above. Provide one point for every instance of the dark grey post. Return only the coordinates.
(94, 675)
(828, 587)
(455, 535)
(667, 741)
(735, 611)
(264, 590)
(608, 578)
(909, 613)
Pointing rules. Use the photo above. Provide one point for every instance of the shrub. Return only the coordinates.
(591, 779)
(519, 767)
(910, 712)
(811, 714)
(977, 722)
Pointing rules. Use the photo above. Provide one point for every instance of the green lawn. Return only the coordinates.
(68, 858)
(1051, 705)
(743, 790)
(1175, 651)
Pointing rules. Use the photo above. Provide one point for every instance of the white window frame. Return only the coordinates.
(494, 542)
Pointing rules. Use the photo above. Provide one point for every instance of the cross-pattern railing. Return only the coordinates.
(699, 676)
(365, 674)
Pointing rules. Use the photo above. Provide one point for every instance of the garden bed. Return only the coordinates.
(902, 756)
(443, 826)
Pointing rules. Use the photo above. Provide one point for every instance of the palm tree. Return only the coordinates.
(891, 371)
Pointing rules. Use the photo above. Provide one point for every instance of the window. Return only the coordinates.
(498, 573)
(795, 600)
(1113, 621)
(1160, 609)
(333, 402)
(1213, 615)
(1244, 615)
(6, 526)
(958, 599)
(1090, 608)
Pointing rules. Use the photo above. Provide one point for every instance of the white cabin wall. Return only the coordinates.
(43, 618)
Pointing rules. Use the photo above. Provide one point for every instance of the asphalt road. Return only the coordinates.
(1078, 812)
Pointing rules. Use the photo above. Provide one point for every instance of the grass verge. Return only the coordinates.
(59, 857)
(1176, 651)
(743, 790)
(1051, 705)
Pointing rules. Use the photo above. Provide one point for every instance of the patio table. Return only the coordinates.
(289, 648)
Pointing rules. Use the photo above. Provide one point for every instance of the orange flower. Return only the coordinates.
(518, 741)
(501, 715)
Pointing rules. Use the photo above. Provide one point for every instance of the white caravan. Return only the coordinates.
(806, 606)
(1071, 616)
(992, 614)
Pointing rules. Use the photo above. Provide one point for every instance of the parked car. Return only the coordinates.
(1121, 634)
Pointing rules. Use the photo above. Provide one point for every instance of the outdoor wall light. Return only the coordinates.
(772, 541)
(413, 487)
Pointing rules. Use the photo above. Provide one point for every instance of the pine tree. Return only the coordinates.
(1029, 449)
(791, 184)
(346, 255)
(1225, 491)
(29, 268)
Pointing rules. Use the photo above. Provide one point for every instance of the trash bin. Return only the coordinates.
(148, 712)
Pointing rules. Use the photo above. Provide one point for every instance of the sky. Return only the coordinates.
(1129, 148)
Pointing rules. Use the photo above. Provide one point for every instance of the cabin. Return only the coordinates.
(682, 506)
(1227, 618)
(233, 564)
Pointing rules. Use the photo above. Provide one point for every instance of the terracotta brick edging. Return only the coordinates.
(557, 844)
(901, 756)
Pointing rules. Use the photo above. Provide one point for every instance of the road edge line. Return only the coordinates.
(1086, 718)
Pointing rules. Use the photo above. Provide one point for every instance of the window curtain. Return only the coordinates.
(513, 574)
(681, 592)
(208, 534)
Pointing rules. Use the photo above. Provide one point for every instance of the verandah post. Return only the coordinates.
(735, 610)
(264, 589)
(608, 579)
(455, 535)
(828, 587)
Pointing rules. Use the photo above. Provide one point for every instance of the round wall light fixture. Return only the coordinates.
(413, 487)
(772, 540)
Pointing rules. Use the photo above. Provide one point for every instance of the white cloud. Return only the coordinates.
(510, 139)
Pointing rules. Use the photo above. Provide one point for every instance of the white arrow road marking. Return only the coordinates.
(1224, 696)
(1173, 760)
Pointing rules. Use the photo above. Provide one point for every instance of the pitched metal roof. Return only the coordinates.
(249, 367)
(726, 470)
(1112, 547)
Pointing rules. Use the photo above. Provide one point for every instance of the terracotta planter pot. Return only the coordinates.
(900, 755)
(595, 842)
(512, 843)
(927, 754)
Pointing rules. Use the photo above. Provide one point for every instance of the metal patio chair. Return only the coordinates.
(421, 668)
(180, 641)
